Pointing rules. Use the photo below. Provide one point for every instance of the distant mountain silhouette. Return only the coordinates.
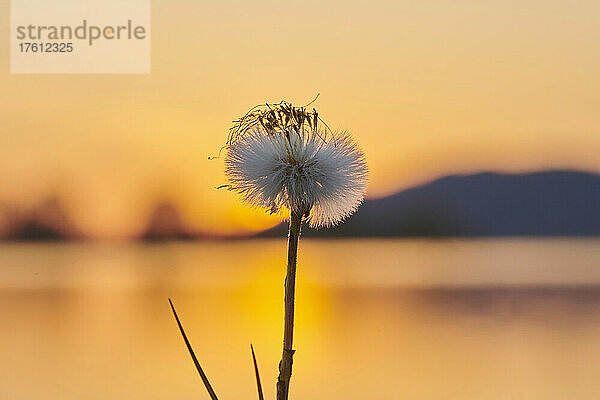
(551, 203)
(166, 224)
(8, 218)
(46, 222)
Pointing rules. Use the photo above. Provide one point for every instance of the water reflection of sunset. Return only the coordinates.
(427, 318)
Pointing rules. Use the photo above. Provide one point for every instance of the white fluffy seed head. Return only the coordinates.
(299, 171)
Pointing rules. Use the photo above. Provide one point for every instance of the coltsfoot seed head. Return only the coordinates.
(300, 171)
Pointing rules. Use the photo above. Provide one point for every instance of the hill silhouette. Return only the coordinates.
(166, 224)
(48, 221)
(550, 203)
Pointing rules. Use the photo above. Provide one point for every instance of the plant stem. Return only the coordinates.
(285, 365)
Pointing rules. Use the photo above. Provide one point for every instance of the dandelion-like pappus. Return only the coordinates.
(286, 162)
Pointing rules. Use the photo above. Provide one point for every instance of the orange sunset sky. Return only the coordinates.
(427, 88)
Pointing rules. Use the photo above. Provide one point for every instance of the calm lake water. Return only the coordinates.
(376, 319)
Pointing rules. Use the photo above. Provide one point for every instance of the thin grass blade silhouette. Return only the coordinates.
(209, 388)
(258, 385)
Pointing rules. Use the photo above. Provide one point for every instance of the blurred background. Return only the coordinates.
(471, 270)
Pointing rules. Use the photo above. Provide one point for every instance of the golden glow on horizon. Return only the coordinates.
(427, 90)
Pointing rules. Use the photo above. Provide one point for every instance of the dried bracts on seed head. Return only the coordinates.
(290, 163)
